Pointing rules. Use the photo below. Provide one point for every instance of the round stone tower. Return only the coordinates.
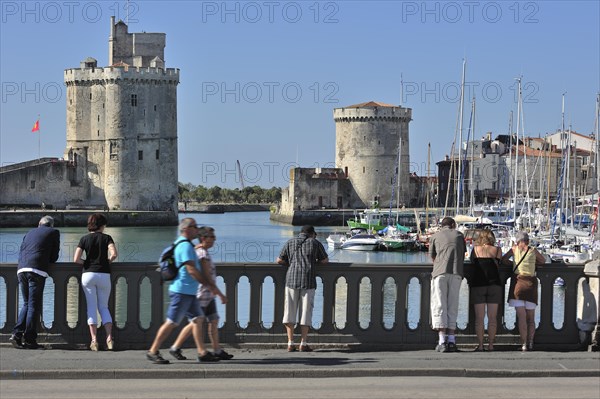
(122, 124)
(369, 138)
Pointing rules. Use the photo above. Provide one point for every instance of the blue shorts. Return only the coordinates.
(182, 305)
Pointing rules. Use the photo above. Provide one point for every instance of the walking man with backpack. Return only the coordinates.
(182, 296)
(207, 292)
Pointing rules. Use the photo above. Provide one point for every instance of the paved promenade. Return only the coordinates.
(17, 364)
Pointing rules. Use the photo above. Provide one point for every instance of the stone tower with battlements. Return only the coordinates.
(370, 138)
(122, 124)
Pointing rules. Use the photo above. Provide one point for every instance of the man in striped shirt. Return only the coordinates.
(301, 254)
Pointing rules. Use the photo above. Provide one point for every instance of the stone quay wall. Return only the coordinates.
(78, 218)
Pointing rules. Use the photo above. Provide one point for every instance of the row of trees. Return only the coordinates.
(215, 194)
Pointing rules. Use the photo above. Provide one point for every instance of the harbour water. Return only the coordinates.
(241, 237)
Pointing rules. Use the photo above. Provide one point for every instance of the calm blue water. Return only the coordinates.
(241, 237)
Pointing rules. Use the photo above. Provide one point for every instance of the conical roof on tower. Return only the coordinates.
(371, 104)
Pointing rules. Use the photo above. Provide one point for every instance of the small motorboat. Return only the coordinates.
(362, 242)
(335, 240)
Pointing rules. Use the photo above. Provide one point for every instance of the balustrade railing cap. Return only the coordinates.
(592, 268)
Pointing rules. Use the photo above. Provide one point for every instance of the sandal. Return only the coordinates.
(110, 344)
(94, 346)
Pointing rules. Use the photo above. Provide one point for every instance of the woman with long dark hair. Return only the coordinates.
(100, 252)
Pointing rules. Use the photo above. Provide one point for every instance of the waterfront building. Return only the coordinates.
(121, 151)
(481, 171)
(490, 167)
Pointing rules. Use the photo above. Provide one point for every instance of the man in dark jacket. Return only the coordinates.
(40, 247)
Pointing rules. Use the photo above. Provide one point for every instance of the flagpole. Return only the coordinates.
(39, 141)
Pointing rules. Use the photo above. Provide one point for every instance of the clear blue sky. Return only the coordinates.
(260, 80)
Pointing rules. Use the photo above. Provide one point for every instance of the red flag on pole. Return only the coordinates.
(36, 126)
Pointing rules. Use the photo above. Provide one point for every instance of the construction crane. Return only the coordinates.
(240, 173)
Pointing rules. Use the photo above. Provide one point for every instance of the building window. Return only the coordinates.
(140, 155)
(363, 169)
(155, 107)
(90, 96)
(98, 132)
(32, 185)
(134, 100)
(98, 118)
(157, 154)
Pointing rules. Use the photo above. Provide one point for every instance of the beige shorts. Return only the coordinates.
(298, 301)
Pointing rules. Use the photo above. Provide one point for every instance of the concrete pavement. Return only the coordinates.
(306, 388)
(17, 364)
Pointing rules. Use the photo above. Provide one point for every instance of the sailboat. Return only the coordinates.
(565, 242)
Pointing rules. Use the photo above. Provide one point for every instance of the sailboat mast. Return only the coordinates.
(510, 169)
(548, 167)
(574, 189)
(450, 173)
(516, 192)
(525, 146)
(471, 188)
(566, 142)
(460, 144)
(558, 209)
(398, 179)
(597, 127)
(428, 187)
(597, 123)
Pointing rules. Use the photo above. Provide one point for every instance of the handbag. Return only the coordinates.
(514, 279)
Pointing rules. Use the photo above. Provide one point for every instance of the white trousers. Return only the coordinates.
(96, 287)
(445, 290)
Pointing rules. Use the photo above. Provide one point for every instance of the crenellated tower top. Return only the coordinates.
(371, 111)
